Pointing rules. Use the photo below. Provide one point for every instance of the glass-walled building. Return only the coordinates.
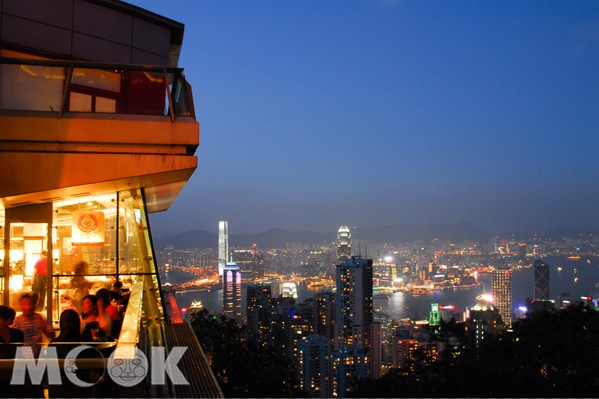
(100, 238)
(97, 130)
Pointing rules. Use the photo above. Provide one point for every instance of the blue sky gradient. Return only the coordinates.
(315, 114)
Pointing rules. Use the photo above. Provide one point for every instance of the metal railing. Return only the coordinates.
(126, 347)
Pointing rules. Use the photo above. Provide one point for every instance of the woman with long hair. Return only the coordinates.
(96, 326)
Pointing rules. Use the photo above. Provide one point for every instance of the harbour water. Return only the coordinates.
(576, 277)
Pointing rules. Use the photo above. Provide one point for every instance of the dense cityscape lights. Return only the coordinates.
(328, 327)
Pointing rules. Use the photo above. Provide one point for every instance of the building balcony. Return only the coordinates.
(112, 127)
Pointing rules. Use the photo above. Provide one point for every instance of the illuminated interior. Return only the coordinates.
(107, 232)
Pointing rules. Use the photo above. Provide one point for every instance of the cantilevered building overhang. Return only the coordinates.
(79, 104)
(56, 155)
(97, 130)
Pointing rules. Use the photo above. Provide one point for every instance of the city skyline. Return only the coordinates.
(317, 115)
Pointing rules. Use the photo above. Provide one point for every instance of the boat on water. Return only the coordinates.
(195, 306)
(384, 290)
(573, 257)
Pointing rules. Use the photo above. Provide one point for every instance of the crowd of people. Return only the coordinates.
(99, 319)
(89, 318)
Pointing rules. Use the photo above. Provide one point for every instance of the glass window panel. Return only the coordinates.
(2, 282)
(107, 105)
(80, 102)
(145, 93)
(86, 232)
(135, 246)
(31, 87)
(181, 94)
(28, 247)
(130, 233)
(97, 79)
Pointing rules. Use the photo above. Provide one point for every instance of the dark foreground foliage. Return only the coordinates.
(243, 367)
(550, 354)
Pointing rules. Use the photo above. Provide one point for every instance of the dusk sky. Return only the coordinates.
(316, 114)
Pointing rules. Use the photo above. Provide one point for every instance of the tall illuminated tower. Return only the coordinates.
(502, 293)
(542, 282)
(353, 302)
(232, 291)
(343, 244)
(223, 246)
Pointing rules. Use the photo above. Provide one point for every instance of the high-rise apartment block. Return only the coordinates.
(354, 313)
(288, 327)
(403, 346)
(324, 323)
(350, 364)
(502, 293)
(314, 366)
(259, 310)
(407, 341)
(375, 354)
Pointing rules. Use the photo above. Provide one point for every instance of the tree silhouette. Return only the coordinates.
(243, 367)
(549, 354)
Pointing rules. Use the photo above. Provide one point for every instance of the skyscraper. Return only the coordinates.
(542, 283)
(350, 363)
(223, 246)
(324, 323)
(343, 244)
(232, 291)
(353, 302)
(403, 346)
(314, 366)
(259, 309)
(484, 320)
(502, 293)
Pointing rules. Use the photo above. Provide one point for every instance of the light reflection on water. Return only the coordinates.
(402, 305)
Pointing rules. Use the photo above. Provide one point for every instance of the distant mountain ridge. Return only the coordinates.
(279, 238)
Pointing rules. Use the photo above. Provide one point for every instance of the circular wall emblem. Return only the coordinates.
(87, 222)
